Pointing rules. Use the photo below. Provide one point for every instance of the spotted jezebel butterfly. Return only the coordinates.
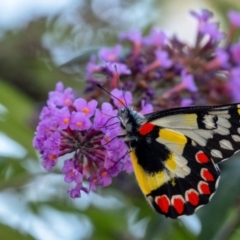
(175, 153)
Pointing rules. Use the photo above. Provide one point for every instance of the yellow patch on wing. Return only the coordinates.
(171, 164)
(238, 106)
(169, 135)
(177, 166)
(189, 119)
(148, 182)
(186, 121)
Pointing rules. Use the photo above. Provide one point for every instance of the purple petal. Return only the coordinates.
(134, 36)
(235, 52)
(162, 57)
(121, 98)
(156, 38)
(110, 54)
(188, 81)
(118, 68)
(234, 18)
(203, 16)
(146, 108)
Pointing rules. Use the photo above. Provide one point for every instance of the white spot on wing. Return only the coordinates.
(222, 130)
(209, 121)
(236, 138)
(223, 122)
(206, 134)
(226, 144)
(223, 114)
(186, 121)
(216, 153)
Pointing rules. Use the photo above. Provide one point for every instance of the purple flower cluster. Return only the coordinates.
(87, 134)
(168, 72)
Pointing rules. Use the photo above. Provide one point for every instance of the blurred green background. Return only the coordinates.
(37, 38)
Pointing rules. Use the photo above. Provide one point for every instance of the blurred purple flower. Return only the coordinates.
(186, 102)
(156, 38)
(235, 52)
(203, 16)
(91, 68)
(234, 18)
(118, 68)
(222, 57)
(212, 30)
(234, 83)
(134, 36)
(146, 107)
(188, 81)
(163, 58)
(110, 54)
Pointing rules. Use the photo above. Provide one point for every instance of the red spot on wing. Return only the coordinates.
(206, 175)
(192, 196)
(178, 203)
(163, 203)
(204, 188)
(201, 157)
(146, 128)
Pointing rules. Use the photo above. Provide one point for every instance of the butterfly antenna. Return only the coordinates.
(110, 94)
(119, 80)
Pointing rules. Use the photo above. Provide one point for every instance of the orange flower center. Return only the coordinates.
(67, 102)
(85, 110)
(79, 124)
(121, 102)
(66, 120)
(52, 157)
(111, 57)
(104, 173)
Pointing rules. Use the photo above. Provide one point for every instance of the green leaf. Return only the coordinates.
(15, 122)
(10, 233)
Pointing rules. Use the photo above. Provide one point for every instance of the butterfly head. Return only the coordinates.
(130, 121)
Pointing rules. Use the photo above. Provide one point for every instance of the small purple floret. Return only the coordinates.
(234, 18)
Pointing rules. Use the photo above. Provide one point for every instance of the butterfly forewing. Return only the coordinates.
(216, 130)
(174, 155)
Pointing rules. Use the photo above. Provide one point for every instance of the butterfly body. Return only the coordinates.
(174, 153)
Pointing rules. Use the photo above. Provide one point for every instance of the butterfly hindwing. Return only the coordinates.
(175, 176)
(186, 192)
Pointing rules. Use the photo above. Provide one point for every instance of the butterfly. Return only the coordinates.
(175, 153)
